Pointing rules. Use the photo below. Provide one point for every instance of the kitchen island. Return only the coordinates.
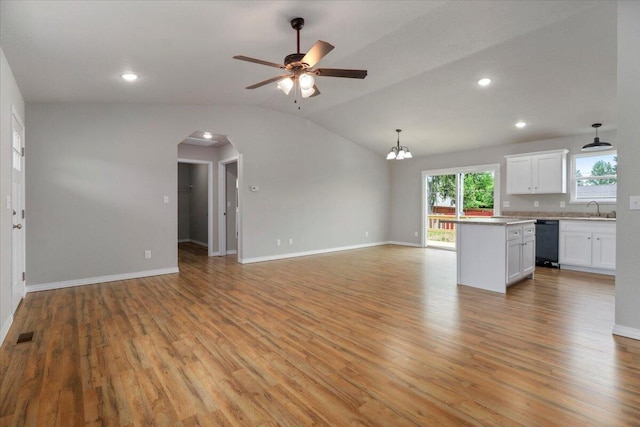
(494, 253)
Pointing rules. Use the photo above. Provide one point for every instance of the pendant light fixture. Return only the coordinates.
(399, 152)
(597, 145)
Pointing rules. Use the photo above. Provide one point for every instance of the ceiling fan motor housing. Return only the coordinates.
(294, 62)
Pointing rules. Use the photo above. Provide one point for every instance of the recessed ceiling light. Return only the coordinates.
(207, 135)
(520, 125)
(130, 77)
(484, 82)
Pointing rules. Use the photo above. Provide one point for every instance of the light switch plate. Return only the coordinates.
(165, 199)
(634, 202)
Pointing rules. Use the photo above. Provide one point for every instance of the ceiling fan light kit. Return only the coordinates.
(299, 67)
(399, 152)
(597, 145)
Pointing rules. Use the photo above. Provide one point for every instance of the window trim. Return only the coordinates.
(573, 179)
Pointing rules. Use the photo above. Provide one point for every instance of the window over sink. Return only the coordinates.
(594, 176)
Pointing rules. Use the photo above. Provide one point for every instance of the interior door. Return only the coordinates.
(18, 214)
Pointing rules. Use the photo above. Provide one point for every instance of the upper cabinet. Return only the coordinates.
(537, 173)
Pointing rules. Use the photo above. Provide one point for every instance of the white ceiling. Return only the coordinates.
(553, 63)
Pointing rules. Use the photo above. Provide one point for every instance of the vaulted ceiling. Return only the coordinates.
(553, 63)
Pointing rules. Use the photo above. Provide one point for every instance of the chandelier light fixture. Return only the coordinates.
(597, 145)
(305, 82)
(399, 152)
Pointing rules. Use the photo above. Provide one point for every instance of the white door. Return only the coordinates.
(604, 251)
(17, 206)
(514, 260)
(519, 175)
(528, 255)
(546, 170)
(575, 248)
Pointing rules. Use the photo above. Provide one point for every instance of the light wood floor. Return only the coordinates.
(379, 336)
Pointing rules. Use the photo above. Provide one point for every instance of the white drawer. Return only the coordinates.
(529, 230)
(514, 233)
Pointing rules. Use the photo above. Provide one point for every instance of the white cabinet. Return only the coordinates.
(588, 245)
(537, 173)
(603, 252)
(521, 252)
(494, 256)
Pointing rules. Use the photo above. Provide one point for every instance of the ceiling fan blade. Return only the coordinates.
(258, 61)
(266, 82)
(317, 52)
(337, 72)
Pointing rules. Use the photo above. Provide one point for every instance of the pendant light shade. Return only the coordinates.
(285, 85)
(597, 145)
(399, 152)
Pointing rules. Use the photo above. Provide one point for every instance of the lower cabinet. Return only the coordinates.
(521, 252)
(588, 245)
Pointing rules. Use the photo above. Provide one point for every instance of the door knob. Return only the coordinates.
(18, 226)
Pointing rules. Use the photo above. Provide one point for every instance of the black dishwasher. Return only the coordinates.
(547, 243)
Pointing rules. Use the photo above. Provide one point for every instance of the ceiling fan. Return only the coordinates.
(299, 67)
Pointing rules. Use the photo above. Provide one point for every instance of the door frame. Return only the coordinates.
(21, 288)
(495, 167)
(222, 191)
(210, 251)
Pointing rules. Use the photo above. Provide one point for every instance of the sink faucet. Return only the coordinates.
(597, 207)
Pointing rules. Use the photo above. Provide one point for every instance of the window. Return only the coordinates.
(594, 177)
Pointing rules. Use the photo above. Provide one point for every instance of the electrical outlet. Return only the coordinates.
(563, 204)
(290, 241)
(536, 204)
(147, 254)
(278, 242)
(366, 234)
(634, 202)
(506, 204)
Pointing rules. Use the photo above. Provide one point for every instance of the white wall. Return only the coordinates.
(628, 223)
(98, 174)
(9, 96)
(406, 176)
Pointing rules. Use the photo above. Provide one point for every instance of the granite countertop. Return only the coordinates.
(555, 216)
(491, 221)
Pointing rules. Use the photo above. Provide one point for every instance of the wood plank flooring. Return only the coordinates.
(379, 336)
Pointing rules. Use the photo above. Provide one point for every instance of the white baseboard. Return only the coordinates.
(196, 242)
(413, 245)
(626, 331)
(588, 269)
(232, 252)
(101, 279)
(5, 328)
(307, 253)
